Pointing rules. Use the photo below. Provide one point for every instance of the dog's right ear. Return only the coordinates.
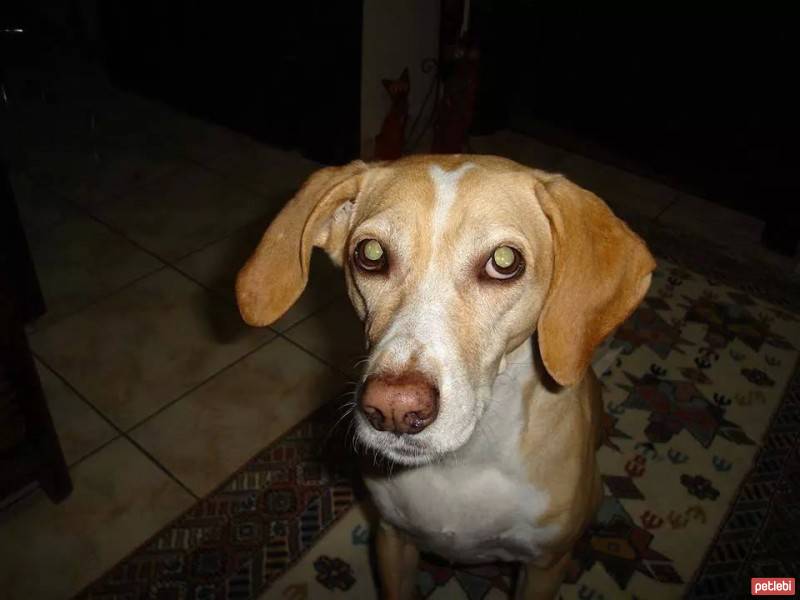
(277, 272)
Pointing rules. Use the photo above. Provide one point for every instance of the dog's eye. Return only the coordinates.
(505, 263)
(370, 256)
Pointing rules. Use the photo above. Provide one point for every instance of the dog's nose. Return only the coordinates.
(406, 403)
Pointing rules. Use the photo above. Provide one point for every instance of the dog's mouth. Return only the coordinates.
(407, 449)
(403, 449)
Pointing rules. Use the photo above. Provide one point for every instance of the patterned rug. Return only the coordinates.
(700, 464)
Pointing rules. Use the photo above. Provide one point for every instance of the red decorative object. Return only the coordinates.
(390, 142)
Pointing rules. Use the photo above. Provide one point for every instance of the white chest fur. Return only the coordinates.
(477, 505)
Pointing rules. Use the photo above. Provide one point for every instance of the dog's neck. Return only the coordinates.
(497, 433)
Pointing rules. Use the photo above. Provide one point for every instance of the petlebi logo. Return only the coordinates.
(772, 586)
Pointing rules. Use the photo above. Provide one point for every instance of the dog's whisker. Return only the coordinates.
(344, 415)
(360, 362)
(355, 438)
(350, 405)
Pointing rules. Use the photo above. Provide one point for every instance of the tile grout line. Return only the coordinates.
(276, 335)
(133, 187)
(124, 287)
(195, 387)
(667, 207)
(120, 432)
(230, 234)
(137, 245)
(173, 262)
(161, 466)
(219, 300)
(164, 264)
(323, 306)
(190, 160)
(125, 434)
(74, 390)
(117, 436)
(49, 189)
(243, 186)
(347, 376)
(180, 157)
(88, 214)
(18, 497)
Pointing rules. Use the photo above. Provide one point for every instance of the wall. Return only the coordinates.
(396, 34)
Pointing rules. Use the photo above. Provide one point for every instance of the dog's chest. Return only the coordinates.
(464, 513)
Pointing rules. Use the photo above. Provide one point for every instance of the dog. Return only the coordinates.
(484, 287)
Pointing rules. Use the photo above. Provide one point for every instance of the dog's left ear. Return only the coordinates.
(277, 272)
(601, 272)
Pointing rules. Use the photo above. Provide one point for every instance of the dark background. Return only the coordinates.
(286, 72)
(708, 106)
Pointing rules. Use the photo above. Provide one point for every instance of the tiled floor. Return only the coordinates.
(138, 219)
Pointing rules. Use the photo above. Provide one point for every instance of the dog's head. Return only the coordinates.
(451, 262)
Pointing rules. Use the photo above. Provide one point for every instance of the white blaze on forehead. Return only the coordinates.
(422, 330)
(445, 187)
(422, 327)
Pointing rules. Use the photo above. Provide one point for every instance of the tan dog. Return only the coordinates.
(453, 263)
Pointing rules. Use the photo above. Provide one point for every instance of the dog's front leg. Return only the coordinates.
(398, 558)
(541, 582)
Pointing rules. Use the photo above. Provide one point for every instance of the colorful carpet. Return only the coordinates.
(700, 465)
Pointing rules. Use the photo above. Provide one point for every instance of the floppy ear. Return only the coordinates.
(601, 271)
(277, 272)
